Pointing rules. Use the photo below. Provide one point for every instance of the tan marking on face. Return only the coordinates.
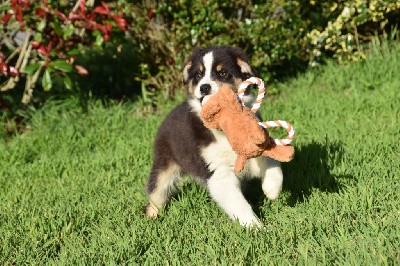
(237, 82)
(201, 68)
(219, 67)
(185, 71)
(244, 67)
(191, 88)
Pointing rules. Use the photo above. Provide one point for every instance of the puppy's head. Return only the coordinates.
(208, 68)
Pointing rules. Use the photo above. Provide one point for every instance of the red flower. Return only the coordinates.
(102, 9)
(6, 18)
(40, 12)
(82, 5)
(74, 16)
(121, 22)
(43, 50)
(4, 69)
(60, 15)
(35, 44)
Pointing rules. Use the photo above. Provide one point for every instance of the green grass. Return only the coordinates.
(72, 188)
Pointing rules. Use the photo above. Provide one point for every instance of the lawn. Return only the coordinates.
(72, 187)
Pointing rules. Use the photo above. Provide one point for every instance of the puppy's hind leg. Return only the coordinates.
(160, 186)
(224, 188)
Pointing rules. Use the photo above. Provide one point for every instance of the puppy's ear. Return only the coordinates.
(186, 72)
(245, 68)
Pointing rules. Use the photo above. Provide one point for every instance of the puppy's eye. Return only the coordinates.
(221, 73)
(199, 74)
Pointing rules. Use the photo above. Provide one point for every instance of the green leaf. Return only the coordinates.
(40, 26)
(67, 82)
(61, 65)
(38, 37)
(31, 68)
(46, 81)
(74, 51)
(68, 31)
(57, 28)
(96, 32)
(361, 19)
(5, 7)
(99, 40)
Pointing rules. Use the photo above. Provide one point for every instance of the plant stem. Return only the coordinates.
(21, 62)
(29, 85)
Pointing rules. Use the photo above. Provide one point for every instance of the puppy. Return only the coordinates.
(183, 145)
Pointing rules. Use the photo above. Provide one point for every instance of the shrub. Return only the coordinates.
(42, 39)
(280, 37)
(345, 34)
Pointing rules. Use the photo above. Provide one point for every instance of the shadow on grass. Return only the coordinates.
(112, 72)
(309, 170)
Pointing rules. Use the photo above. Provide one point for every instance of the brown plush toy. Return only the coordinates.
(240, 125)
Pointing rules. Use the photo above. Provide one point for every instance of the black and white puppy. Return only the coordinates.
(184, 145)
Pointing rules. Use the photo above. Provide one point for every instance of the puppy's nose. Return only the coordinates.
(205, 89)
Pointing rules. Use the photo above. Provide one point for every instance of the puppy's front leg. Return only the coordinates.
(224, 188)
(272, 177)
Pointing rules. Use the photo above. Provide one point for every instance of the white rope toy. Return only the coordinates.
(256, 106)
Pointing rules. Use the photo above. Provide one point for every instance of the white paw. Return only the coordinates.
(250, 223)
(272, 183)
(247, 218)
(272, 192)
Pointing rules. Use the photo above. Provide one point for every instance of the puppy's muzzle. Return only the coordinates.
(205, 89)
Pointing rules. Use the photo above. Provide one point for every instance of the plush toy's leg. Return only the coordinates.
(160, 187)
(224, 188)
(280, 153)
(272, 177)
(239, 164)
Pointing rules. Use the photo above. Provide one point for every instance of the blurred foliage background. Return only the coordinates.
(144, 58)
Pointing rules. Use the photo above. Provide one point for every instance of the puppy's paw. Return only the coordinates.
(255, 224)
(272, 191)
(272, 188)
(151, 210)
(272, 183)
(249, 221)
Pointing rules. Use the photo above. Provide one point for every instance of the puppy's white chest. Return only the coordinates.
(219, 152)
